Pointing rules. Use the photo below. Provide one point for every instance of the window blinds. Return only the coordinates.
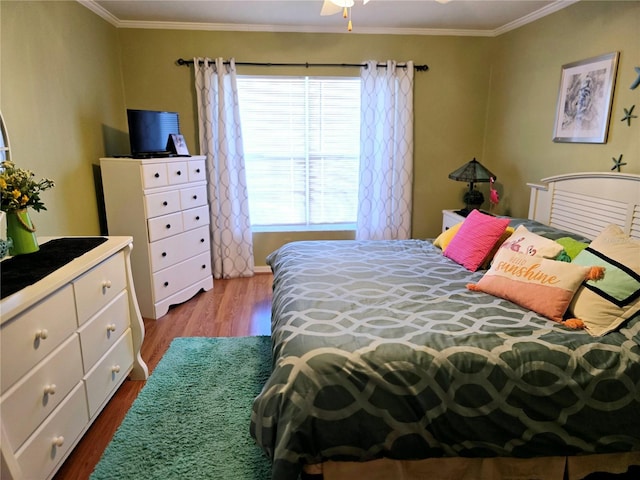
(302, 148)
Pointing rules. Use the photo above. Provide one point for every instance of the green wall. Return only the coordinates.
(67, 77)
(526, 70)
(62, 100)
(449, 100)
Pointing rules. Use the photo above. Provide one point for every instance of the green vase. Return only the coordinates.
(21, 231)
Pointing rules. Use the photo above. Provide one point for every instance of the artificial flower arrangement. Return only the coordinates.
(20, 189)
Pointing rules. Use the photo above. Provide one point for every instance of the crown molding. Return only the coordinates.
(153, 25)
(533, 16)
(298, 29)
(101, 12)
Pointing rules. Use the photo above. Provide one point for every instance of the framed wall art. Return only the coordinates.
(584, 100)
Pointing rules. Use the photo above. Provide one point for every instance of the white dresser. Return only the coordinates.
(67, 342)
(162, 203)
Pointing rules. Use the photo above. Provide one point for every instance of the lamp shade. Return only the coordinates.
(472, 172)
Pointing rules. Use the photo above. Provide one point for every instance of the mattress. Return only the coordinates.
(380, 351)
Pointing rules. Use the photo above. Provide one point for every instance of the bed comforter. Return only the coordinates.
(379, 350)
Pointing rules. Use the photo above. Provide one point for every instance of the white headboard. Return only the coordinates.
(587, 202)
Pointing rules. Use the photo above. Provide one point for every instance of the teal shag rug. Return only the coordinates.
(191, 419)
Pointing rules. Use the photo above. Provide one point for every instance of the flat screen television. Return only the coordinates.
(149, 132)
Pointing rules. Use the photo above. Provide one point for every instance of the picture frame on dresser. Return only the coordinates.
(584, 100)
(178, 145)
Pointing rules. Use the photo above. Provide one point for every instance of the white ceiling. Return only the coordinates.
(419, 17)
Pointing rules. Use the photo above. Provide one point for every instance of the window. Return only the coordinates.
(302, 148)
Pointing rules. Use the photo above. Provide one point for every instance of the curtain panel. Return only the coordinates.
(386, 152)
(220, 136)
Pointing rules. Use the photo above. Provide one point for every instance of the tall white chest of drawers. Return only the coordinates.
(68, 341)
(162, 203)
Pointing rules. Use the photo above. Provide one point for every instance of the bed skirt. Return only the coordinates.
(499, 468)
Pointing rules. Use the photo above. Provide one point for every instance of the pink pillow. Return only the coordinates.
(475, 239)
(542, 285)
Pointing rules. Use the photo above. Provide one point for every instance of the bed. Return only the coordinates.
(387, 365)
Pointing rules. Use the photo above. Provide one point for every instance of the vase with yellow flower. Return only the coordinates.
(20, 190)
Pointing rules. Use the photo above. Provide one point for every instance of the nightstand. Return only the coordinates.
(450, 218)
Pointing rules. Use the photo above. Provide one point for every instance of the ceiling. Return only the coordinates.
(418, 17)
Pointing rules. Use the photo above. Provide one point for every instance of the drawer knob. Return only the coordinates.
(195, 197)
(179, 172)
(202, 240)
(115, 369)
(166, 284)
(42, 334)
(58, 441)
(111, 327)
(168, 225)
(157, 175)
(164, 254)
(204, 266)
(197, 170)
(106, 284)
(165, 203)
(50, 389)
(197, 217)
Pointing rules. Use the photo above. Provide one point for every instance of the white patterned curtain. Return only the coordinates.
(386, 152)
(221, 142)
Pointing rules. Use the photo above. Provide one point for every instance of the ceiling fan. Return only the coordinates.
(331, 7)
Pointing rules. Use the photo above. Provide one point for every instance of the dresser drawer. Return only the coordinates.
(172, 250)
(99, 286)
(162, 203)
(154, 175)
(165, 226)
(173, 279)
(178, 172)
(36, 395)
(197, 170)
(103, 330)
(109, 372)
(195, 217)
(193, 197)
(56, 436)
(31, 336)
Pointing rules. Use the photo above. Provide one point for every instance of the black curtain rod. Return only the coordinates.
(417, 68)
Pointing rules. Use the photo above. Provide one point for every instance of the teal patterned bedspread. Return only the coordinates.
(380, 350)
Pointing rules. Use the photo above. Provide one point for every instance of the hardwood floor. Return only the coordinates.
(234, 308)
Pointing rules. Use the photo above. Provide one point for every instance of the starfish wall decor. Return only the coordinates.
(617, 163)
(637, 81)
(628, 115)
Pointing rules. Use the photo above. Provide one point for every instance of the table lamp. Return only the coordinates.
(472, 172)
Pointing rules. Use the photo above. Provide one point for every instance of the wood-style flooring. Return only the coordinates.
(234, 308)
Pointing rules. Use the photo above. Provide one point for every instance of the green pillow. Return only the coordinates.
(572, 247)
(605, 304)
